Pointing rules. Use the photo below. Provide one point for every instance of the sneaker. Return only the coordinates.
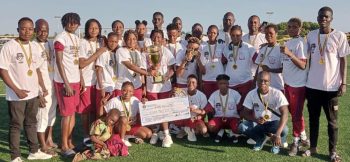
(87, 142)
(335, 157)
(251, 141)
(154, 139)
(174, 129)
(259, 145)
(167, 141)
(218, 139)
(39, 156)
(161, 135)
(234, 139)
(293, 149)
(17, 159)
(275, 149)
(191, 136)
(181, 134)
(229, 133)
(126, 142)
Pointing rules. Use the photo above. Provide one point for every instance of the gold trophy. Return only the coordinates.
(154, 54)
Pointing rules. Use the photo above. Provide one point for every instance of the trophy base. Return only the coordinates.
(158, 79)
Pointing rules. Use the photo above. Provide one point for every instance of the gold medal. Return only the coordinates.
(114, 79)
(266, 117)
(76, 62)
(50, 68)
(30, 72)
(128, 127)
(321, 61)
(234, 66)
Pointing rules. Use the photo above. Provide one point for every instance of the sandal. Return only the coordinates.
(309, 152)
(68, 153)
(139, 141)
(335, 157)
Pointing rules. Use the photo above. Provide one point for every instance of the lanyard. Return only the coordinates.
(265, 55)
(224, 106)
(28, 58)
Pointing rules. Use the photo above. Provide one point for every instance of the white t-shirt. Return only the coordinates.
(273, 60)
(326, 77)
(132, 106)
(211, 60)
(175, 48)
(293, 75)
(255, 41)
(190, 68)
(109, 64)
(89, 74)
(244, 61)
(145, 43)
(198, 100)
(275, 99)
(167, 59)
(70, 53)
(47, 48)
(126, 74)
(224, 37)
(12, 59)
(233, 99)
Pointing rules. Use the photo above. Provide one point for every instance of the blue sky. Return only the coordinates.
(206, 12)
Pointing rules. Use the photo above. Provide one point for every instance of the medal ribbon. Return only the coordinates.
(28, 59)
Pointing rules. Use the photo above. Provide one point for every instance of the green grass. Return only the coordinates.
(204, 149)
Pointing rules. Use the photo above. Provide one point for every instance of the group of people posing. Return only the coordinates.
(244, 83)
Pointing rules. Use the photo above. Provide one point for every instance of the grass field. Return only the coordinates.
(204, 149)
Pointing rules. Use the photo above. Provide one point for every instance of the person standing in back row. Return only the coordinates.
(326, 79)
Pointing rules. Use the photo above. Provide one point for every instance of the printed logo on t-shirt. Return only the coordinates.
(272, 60)
(111, 63)
(230, 57)
(19, 57)
(43, 55)
(218, 106)
(241, 57)
(313, 47)
(206, 55)
(89, 52)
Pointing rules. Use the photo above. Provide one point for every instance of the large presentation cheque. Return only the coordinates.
(164, 110)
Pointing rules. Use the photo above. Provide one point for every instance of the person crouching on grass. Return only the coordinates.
(198, 101)
(101, 130)
(270, 107)
(223, 104)
(129, 123)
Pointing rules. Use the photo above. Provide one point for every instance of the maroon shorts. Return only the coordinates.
(231, 123)
(68, 105)
(87, 100)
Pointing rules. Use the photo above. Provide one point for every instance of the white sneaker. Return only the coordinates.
(251, 141)
(154, 139)
(17, 159)
(39, 156)
(181, 134)
(191, 136)
(161, 135)
(167, 141)
(126, 142)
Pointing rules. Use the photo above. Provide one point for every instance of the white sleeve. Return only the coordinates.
(226, 51)
(179, 57)
(171, 59)
(237, 97)
(112, 104)
(82, 49)
(5, 57)
(301, 50)
(212, 99)
(203, 100)
(343, 48)
(281, 100)
(100, 60)
(143, 60)
(123, 55)
(248, 101)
